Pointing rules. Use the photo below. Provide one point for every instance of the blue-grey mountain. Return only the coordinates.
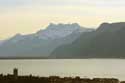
(42, 43)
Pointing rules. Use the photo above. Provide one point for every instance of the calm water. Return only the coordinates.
(67, 67)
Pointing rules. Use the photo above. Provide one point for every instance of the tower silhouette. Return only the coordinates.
(15, 73)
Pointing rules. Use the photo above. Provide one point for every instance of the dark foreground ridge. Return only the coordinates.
(52, 79)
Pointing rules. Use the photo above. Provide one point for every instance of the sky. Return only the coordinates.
(29, 16)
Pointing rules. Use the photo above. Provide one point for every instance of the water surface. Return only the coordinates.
(113, 68)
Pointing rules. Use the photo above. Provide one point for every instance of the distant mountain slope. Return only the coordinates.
(108, 41)
(1, 42)
(41, 43)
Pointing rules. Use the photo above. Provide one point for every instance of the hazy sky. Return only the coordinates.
(28, 16)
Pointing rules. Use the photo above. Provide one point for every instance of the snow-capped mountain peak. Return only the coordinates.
(56, 31)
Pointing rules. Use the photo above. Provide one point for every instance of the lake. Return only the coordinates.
(112, 68)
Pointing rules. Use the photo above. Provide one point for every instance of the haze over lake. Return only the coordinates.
(67, 67)
(65, 38)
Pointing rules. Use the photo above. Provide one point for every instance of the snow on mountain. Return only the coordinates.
(57, 31)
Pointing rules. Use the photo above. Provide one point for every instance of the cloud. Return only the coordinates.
(107, 3)
(14, 3)
(100, 3)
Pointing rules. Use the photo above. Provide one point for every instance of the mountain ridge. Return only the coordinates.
(106, 42)
(41, 43)
(63, 41)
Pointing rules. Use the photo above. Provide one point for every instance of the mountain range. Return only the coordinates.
(42, 43)
(107, 41)
(62, 41)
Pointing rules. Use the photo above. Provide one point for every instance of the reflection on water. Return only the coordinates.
(67, 67)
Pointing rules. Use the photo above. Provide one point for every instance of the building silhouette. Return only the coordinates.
(15, 73)
(15, 78)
